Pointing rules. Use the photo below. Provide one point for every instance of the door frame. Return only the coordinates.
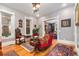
(75, 31)
(55, 20)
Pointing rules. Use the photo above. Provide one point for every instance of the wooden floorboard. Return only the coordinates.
(22, 52)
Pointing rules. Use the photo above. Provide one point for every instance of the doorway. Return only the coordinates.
(52, 26)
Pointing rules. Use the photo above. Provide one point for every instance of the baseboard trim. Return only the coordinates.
(66, 42)
(7, 43)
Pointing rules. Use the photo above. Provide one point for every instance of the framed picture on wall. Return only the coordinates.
(20, 23)
(66, 23)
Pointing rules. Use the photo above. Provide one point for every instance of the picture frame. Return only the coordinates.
(20, 23)
(66, 22)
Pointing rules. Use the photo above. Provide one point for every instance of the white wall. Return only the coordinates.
(41, 24)
(18, 15)
(66, 33)
(78, 35)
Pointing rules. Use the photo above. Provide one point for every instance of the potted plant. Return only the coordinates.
(35, 33)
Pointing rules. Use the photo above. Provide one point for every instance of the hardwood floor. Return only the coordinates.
(22, 52)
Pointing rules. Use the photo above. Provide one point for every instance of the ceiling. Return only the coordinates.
(45, 8)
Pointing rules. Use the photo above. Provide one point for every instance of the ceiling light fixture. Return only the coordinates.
(35, 8)
(38, 6)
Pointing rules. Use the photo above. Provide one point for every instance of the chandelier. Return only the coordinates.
(35, 8)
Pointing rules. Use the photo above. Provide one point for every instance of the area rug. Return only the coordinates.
(11, 53)
(62, 50)
(27, 47)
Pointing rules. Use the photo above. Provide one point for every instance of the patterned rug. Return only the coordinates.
(11, 53)
(63, 50)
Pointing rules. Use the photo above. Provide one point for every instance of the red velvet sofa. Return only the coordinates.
(45, 42)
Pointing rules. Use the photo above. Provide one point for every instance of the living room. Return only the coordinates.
(23, 18)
